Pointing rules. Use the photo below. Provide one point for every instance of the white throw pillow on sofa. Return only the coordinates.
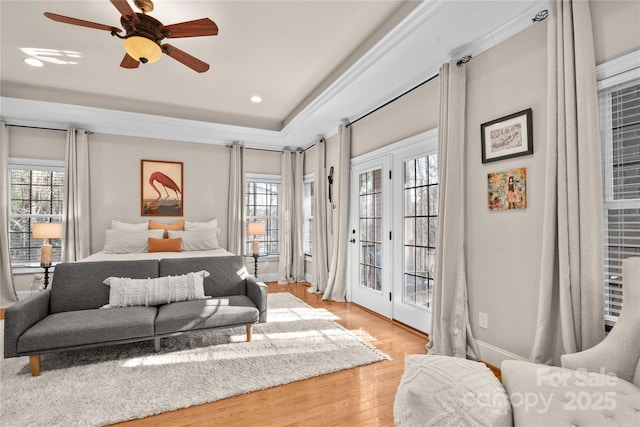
(127, 292)
(129, 241)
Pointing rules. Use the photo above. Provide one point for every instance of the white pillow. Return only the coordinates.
(117, 225)
(126, 292)
(197, 240)
(209, 225)
(129, 241)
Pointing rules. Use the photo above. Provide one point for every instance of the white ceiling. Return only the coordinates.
(314, 63)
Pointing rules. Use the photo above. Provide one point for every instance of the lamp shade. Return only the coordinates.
(46, 230)
(255, 228)
(142, 49)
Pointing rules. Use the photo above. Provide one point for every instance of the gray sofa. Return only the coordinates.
(68, 315)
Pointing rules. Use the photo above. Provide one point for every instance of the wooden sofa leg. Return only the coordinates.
(249, 333)
(156, 344)
(34, 362)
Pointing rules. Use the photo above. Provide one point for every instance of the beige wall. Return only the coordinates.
(616, 28)
(115, 181)
(115, 178)
(503, 248)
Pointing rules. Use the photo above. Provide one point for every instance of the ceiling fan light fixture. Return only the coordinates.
(142, 49)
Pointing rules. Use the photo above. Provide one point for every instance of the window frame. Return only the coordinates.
(622, 70)
(268, 179)
(16, 163)
(309, 182)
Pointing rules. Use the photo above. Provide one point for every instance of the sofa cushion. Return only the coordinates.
(78, 285)
(202, 314)
(226, 273)
(552, 396)
(127, 292)
(88, 327)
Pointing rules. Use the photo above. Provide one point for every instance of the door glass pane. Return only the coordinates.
(370, 219)
(420, 228)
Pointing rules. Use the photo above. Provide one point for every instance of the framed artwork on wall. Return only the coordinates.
(161, 188)
(507, 137)
(507, 190)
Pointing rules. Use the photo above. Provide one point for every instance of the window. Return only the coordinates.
(308, 214)
(420, 228)
(262, 206)
(37, 193)
(619, 102)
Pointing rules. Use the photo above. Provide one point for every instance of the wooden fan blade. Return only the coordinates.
(80, 22)
(197, 28)
(129, 62)
(190, 61)
(125, 10)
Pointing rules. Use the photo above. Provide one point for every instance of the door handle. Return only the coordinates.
(352, 240)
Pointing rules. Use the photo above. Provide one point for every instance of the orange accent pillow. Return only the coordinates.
(173, 226)
(165, 245)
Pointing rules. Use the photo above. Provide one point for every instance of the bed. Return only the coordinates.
(156, 240)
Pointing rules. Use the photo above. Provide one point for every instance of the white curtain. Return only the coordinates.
(336, 283)
(297, 264)
(76, 216)
(236, 210)
(291, 220)
(320, 264)
(450, 328)
(570, 305)
(7, 290)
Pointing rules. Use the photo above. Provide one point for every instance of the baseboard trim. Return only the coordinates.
(495, 355)
(269, 277)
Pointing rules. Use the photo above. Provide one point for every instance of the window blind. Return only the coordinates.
(308, 217)
(620, 129)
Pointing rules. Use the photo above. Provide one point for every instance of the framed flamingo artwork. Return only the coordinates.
(161, 188)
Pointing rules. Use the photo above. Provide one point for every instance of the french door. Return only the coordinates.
(370, 242)
(393, 224)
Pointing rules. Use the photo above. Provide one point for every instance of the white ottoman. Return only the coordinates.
(449, 391)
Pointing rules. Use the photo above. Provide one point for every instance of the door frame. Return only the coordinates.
(428, 140)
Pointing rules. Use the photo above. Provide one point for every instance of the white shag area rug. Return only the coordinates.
(110, 384)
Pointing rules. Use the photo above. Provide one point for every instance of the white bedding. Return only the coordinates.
(102, 256)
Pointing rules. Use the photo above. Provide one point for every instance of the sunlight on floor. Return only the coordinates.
(276, 344)
(303, 313)
(363, 335)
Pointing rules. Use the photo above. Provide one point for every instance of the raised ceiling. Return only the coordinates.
(312, 62)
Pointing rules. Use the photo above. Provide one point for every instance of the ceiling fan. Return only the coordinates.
(144, 34)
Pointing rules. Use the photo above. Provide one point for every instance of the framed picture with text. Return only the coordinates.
(507, 137)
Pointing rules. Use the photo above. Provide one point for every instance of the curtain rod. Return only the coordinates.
(394, 99)
(272, 150)
(88, 132)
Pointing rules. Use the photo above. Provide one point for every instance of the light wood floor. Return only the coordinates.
(359, 396)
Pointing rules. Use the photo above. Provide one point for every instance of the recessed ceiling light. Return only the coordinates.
(256, 99)
(34, 62)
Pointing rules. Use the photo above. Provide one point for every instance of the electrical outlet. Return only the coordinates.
(483, 320)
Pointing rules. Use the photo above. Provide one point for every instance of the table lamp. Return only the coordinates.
(257, 229)
(46, 231)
